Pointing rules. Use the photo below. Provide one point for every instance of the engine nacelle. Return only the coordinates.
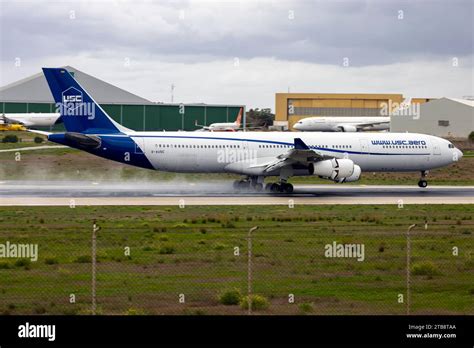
(354, 177)
(347, 128)
(334, 169)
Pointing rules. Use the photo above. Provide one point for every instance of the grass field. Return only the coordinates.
(192, 251)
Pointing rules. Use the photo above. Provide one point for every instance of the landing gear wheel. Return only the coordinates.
(275, 188)
(243, 185)
(268, 187)
(422, 183)
(287, 188)
(258, 187)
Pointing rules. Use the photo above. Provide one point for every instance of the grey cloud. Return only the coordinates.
(367, 32)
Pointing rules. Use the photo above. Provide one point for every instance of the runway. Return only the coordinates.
(65, 193)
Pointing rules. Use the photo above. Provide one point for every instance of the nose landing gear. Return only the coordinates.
(423, 183)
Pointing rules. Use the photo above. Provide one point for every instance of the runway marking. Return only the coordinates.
(32, 148)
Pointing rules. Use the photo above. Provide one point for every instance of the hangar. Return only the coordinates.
(444, 117)
(32, 94)
(291, 107)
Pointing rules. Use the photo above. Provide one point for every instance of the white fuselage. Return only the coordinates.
(33, 119)
(230, 152)
(224, 126)
(341, 124)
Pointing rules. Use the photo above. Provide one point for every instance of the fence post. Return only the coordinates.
(95, 228)
(408, 266)
(249, 269)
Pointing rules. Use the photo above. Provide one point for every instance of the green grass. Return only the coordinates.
(288, 258)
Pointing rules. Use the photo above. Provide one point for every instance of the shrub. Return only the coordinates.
(39, 309)
(83, 259)
(425, 268)
(230, 297)
(38, 140)
(306, 307)
(228, 224)
(9, 138)
(220, 246)
(25, 263)
(134, 311)
(51, 261)
(166, 250)
(257, 302)
(5, 265)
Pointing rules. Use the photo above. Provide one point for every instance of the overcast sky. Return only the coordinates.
(243, 52)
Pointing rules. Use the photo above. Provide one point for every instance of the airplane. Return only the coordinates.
(342, 124)
(222, 127)
(31, 119)
(340, 157)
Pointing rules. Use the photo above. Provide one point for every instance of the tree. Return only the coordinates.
(260, 118)
(471, 136)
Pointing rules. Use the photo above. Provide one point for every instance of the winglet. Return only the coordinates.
(300, 145)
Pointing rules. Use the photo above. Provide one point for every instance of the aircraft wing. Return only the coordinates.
(301, 153)
(371, 124)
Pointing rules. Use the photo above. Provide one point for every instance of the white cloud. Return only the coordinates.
(255, 81)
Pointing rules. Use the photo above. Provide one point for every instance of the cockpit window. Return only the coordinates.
(451, 146)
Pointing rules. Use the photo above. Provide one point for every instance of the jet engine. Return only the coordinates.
(354, 177)
(347, 128)
(334, 169)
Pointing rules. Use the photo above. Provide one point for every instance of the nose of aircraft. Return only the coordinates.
(459, 154)
(297, 126)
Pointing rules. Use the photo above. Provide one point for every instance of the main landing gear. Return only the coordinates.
(423, 183)
(282, 187)
(255, 183)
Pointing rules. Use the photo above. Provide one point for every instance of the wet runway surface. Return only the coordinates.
(136, 193)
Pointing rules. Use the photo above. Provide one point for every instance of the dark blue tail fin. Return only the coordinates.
(79, 112)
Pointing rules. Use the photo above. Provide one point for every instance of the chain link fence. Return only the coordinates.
(197, 260)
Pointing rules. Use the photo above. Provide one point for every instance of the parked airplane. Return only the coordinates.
(256, 155)
(31, 119)
(342, 124)
(222, 127)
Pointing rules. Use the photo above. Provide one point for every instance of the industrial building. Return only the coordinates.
(291, 107)
(444, 117)
(32, 94)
